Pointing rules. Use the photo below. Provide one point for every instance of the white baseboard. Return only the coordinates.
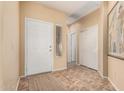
(105, 77)
(19, 78)
(113, 84)
(22, 76)
(78, 64)
(60, 69)
(17, 83)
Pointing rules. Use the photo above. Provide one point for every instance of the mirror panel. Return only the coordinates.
(58, 40)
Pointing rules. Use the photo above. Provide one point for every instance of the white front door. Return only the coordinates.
(88, 47)
(38, 46)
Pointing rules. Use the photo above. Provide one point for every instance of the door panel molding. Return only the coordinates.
(26, 37)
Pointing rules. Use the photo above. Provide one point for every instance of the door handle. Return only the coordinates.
(50, 50)
(50, 46)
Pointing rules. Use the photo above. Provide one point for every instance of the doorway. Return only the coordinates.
(38, 46)
(72, 48)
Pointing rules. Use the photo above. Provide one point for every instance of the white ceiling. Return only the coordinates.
(68, 7)
(74, 9)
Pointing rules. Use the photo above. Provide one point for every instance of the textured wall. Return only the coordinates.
(9, 41)
(1, 63)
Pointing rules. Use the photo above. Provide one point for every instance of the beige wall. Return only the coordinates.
(38, 11)
(85, 22)
(103, 59)
(9, 41)
(116, 72)
(115, 66)
(1, 64)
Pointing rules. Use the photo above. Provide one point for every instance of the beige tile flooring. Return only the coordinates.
(76, 77)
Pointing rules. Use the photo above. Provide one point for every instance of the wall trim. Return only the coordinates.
(22, 76)
(105, 77)
(17, 85)
(116, 88)
(78, 64)
(18, 80)
(59, 69)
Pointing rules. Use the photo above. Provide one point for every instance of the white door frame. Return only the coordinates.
(70, 55)
(27, 18)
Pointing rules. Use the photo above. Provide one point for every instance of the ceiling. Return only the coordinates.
(73, 9)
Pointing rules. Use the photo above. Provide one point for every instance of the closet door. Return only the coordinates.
(88, 47)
